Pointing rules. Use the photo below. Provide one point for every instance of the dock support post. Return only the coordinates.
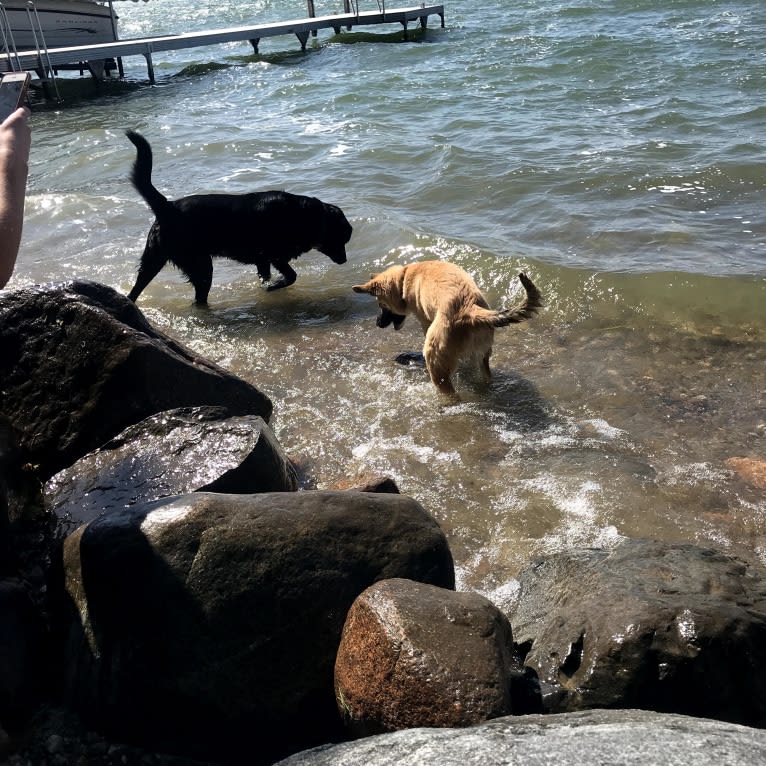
(404, 25)
(254, 42)
(312, 14)
(303, 37)
(149, 66)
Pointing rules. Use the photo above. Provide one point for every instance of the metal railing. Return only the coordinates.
(45, 68)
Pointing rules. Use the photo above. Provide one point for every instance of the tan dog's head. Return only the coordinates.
(380, 287)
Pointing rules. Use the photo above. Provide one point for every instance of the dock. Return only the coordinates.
(48, 60)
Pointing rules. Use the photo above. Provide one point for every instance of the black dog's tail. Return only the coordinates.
(141, 174)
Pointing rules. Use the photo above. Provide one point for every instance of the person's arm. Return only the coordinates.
(15, 141)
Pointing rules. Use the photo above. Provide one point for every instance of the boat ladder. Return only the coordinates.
(9, 44)
(44, 67)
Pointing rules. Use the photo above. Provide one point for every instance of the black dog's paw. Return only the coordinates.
(411, 359)
(387, 317)
(277, 284)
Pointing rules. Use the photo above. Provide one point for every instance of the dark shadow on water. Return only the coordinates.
(76, 91)
(519, 400)
(513, 397)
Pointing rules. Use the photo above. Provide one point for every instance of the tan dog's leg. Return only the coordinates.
(485, 366)
(440, 358)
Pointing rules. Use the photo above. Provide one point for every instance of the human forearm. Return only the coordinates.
(15, 139)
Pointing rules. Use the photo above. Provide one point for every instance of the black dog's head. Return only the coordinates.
(387, 317)
(336, 231)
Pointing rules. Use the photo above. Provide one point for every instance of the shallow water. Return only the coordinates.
(613, 150)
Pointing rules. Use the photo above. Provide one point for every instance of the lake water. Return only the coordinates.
(615, 150)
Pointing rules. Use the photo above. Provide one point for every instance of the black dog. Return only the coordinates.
(263, 228)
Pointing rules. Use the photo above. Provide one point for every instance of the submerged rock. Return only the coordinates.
(614, 737)
(751, 470)
(212, 621)
(79, 363)
(416, 655)
(653, 625)
(174, 452)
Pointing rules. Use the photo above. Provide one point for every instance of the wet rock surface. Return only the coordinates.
(674, 628)
(208, 620)
(614, 737)
(172, 453)
(416, 655)
(79, 363)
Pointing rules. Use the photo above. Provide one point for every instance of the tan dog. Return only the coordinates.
(452, 311)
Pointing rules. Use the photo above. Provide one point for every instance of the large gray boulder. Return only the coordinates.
(653, 625)
(79, 363)
(413, 655)
(191, 449)
(213, 620)
(613, 737)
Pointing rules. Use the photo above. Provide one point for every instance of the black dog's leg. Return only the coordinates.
(152, 260)
(199, 271)
(288, 276)
(264, 270)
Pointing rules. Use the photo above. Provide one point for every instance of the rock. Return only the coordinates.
(172, 453)
(23, 653)
(79, 363)
(416, 655)
(55, 736)
(367, 483)
(653, 625)
(55, 744)
(751, 470)
(21, 500)
(614, 737)
(213, 621)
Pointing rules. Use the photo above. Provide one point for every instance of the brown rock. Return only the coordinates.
(751, 470)
(416, 655)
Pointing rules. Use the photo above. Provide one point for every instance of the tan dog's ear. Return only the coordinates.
(371, 287)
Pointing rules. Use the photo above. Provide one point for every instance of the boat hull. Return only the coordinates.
(64, 23)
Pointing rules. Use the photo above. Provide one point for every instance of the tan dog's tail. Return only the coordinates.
(526, 310)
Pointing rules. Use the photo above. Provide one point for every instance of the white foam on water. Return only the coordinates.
(692, 473)
(579, 525)
(404, 443)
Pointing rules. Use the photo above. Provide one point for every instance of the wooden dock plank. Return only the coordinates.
(145, 46)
